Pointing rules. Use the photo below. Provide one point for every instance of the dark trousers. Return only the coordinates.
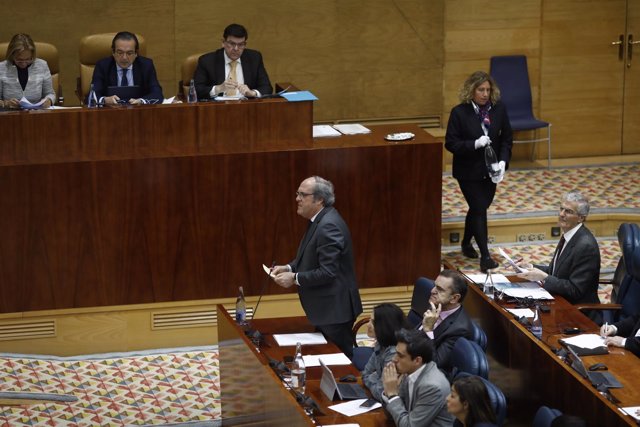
(479, 196)
(341, 335)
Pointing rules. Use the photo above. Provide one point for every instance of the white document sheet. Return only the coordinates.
(633, 411)
(351, 129)
(511, 262)
(305, 338)
(328, 359)
(590, 341)
(321, 131)
(521, 312)
(539, 293)
(27, 105)
(480, 278)
(352, 407)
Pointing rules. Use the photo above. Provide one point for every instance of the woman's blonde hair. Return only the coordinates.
(471, 84)
(20, 43)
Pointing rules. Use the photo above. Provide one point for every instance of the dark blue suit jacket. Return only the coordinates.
(105, 74)
(210, 72)
(328, 289)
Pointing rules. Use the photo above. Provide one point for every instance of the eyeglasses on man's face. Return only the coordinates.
(233, 45)
(302, 195)
(567, 211)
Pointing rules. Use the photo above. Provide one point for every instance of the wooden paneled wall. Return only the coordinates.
(376, 59)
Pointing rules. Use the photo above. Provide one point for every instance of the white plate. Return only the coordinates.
(401, 136)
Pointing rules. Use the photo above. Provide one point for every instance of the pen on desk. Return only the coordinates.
(605, 327)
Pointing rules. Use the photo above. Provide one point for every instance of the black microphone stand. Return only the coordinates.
(254, 335)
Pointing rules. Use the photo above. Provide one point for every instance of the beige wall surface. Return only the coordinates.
(375, 59)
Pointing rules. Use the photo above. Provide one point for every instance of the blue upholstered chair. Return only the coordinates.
(545, 416)
(479, 336)
(420, 300)
(496, 396)
(467, 356)
(625, 295)
(512, 77)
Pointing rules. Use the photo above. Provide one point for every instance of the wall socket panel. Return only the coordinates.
(491, 239)
(530, 237)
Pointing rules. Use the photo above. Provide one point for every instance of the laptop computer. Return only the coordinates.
(597, 378)
(125, 93)
(332, 389)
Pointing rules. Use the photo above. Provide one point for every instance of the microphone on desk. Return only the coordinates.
(279, 365)
(305, 401)
(254, 334)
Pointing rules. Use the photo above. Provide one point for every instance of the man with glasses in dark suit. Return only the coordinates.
(232, 70)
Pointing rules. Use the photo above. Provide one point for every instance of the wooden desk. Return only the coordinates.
(250, 390)
(184, 202)
(532, 375)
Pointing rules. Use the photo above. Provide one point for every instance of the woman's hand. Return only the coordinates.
(47, 103)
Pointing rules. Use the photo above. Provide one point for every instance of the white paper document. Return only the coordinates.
(521, 312)
(511, 262)
(327, 359)
(352, 129)
(589, 341)
(309, 338)
(27, 105)
(480, 278)
(539, 293)
(322, 131)
(267, 270)
(352, 407)
(633, 411)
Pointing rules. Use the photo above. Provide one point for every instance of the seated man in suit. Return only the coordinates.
(574, 270)
(125, 68)
(218, 73)
(625, 334)
(415, 391)
(447, 320)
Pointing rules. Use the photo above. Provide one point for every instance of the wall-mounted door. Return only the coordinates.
(631, 59)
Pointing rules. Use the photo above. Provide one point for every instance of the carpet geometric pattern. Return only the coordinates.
(152, 389)
(537, 192)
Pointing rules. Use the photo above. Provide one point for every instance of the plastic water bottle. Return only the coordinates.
(536, 324)
(192, 96)
(92, 99)
(241, 308)
(488, 288)
(491, 160)
(298, 371)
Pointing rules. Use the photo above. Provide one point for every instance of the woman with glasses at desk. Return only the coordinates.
(24, 75)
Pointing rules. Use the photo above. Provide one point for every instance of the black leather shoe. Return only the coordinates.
(487, 264)
(468, 251)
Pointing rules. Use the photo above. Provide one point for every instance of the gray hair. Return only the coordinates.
(323, 189)
(582, 201)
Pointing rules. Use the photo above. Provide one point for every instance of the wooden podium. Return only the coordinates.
(163, 203)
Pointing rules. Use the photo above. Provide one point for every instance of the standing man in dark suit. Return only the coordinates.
(218, 72)
(447, 320)
(125, 68)
(323, 270)
(574, 270)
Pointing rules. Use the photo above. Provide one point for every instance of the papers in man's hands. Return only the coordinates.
(267, 270)
(512, 262)
(589, 341)
(352, 407)
(321, 131)
(285, 340)
(327, 359)
(26, 105)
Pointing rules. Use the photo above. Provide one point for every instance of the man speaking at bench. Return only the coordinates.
(323, 271)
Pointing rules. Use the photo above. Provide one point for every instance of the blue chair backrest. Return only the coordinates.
(545, 416)
(479, 336)
(467, 356)
(512, 78)
(361, 356)
(496, 396)
(628, 292)
(420, 300)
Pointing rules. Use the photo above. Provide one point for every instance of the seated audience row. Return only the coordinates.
(233, 70)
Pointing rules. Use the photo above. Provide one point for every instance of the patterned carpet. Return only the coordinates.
(180, 387)
(149, 389)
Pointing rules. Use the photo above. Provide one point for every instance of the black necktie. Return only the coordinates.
(124, 81)
(558, 252)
